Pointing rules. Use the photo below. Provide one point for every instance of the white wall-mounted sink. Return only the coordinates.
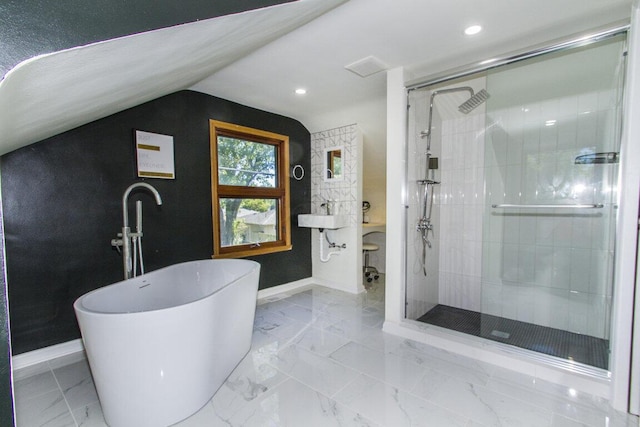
(330, 222)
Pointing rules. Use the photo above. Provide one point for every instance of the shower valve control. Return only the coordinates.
(424, 225)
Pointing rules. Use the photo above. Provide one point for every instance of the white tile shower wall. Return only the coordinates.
(561, 261)
(343, 193)
(553, 270)
(461, 205)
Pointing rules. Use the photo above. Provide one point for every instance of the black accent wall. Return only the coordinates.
(62, 201)
(6, 400)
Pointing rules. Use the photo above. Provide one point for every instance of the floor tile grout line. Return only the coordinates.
(474, 386)
(410, 393)
(324, 357)
(329, 397)
(386, 383)
(556, 397)
(485, 388)
(347, 384)
(66, 401)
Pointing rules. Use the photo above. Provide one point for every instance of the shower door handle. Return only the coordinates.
(558, 206)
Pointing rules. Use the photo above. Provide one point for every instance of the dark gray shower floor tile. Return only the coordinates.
(555, 342)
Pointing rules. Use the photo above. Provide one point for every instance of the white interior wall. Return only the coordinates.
(369, 116)
(342, 270)
(396, 198)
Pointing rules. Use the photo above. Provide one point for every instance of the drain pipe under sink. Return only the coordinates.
(331, 245)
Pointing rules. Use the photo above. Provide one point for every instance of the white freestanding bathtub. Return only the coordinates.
(161, 344)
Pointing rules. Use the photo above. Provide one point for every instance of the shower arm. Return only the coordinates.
(433, 95)
(428, 135)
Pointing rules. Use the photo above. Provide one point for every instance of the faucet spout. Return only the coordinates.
(125, 213)
(327, 207)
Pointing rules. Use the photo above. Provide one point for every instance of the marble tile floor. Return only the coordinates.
(320, 358)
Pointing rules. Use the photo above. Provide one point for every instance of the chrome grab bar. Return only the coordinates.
(593, 206)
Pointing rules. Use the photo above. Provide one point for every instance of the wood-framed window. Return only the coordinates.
(250, 191)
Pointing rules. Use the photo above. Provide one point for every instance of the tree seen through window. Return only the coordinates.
(250, 189)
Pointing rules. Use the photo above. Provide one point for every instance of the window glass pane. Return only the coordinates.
(246, 221)
(246, 163)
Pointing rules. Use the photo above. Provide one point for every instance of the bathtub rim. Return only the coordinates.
(79, 306)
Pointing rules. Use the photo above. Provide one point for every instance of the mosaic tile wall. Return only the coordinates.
(342, 193)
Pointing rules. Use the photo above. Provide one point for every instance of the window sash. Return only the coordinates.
(251, 175)
(251, 233)
(279, 193)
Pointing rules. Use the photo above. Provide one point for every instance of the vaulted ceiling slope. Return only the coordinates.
(53, 93)
(33, 27)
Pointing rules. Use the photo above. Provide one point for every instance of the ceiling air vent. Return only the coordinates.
(367, 66)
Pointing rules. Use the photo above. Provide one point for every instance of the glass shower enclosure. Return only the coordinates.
(512, 203)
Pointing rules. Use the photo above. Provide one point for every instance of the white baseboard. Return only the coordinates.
(46, 354)
(286, 287)
(337, 286)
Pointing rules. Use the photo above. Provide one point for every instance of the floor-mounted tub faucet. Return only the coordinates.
(128, 239)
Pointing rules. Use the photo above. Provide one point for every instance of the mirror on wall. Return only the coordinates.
(333, 164)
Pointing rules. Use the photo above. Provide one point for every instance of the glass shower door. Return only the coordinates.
(550, 172)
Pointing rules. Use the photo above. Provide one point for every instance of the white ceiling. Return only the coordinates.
(424, 36)
(241, 58)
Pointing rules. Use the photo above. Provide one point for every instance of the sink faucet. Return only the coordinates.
(127, 237)
(327, 206)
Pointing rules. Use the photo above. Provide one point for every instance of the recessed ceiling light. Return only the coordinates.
(301, 91)
(474, 29)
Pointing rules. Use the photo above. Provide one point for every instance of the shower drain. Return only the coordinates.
(500, 334)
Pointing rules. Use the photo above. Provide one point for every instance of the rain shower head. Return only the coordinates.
(474, 102)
